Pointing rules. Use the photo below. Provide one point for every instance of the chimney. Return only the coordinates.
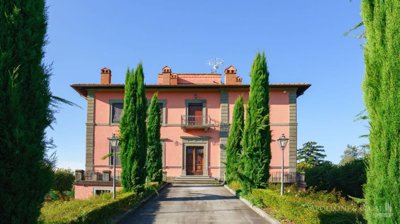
(105, 76)
(230, 76)
(166, 76)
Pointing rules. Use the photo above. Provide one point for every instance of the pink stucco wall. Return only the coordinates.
(85, 192)
(172, 133)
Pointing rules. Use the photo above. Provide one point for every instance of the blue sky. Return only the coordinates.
(304, 42)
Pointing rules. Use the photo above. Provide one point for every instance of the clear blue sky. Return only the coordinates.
(304, 42)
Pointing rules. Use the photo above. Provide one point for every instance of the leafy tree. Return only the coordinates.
(63, 181)
(154, 150)
(381, 95)
(310, 155)
(25, 112)
(352, 153)
(234, 147)
(133, 132)
(257, 134)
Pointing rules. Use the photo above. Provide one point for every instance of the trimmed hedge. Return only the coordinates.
(348, 178)
(98, 209)
(307, 207)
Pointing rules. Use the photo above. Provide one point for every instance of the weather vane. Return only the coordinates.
(215, 63)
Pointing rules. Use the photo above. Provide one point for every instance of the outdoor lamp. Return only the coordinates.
(282, 143)
(114, 145)
(114, 141)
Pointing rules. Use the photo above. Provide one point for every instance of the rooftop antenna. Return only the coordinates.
(215, 63)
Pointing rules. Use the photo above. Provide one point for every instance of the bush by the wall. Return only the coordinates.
(348, 179)
(307, 209)
(99, 209)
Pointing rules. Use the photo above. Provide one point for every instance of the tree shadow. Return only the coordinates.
(341, 217)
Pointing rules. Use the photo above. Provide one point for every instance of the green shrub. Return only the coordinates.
(307, 208)
(98, 209)
(348, 179)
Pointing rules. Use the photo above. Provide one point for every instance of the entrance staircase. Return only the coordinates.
(195, 180)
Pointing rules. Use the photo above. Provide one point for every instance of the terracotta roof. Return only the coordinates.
(194, 74)
(82, 88)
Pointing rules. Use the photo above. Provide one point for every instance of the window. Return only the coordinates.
(101, 190)
(118, 161)
(161, 106)
(195, 112)
(116, 111)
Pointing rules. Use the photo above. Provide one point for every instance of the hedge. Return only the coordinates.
(348, 178)
(307, 208)
(98, 209)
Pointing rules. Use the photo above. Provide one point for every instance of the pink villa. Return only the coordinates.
(196, 112)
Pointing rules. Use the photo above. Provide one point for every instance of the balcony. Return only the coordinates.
(288, 177)
(197, 122)
(103, 178)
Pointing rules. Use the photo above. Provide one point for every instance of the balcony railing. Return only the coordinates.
(104, 177)
(197, 122)
(288, 177)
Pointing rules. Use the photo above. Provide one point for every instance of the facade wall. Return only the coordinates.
(85, 192)
(219, 108)
(172, 133)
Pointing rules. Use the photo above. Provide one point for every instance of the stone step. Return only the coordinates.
(203, 180)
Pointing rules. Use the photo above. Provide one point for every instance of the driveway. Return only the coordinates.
(194, 204)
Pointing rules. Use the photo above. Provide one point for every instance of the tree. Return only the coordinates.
(310, 155)
(352, 153)
(381, 95)
(257, 134)
(63, 181)
(154, 150)
(25, 112)
(234, 147)
(133, 132)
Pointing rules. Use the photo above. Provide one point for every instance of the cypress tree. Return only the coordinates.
(133, 132)
(382, 98)
(25, 176)
(257, 135)
(139, 149)
(127, 130)
(154, 151)
(234, 147)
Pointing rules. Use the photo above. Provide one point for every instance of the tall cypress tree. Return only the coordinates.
(133, 132)
(25, 98)
(126, 129)
(257, 135)
(234, 147)
(382, 98)
(139, 147)
(154, 151)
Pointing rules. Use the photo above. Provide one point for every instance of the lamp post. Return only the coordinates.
(282, 143)
(114, 144)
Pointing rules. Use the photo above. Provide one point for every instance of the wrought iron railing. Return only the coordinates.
(288, 177)
(104, 176)
(196, 121)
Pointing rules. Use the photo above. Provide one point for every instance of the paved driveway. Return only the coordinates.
(194, 204)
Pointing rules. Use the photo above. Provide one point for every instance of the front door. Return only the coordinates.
(194, 160)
